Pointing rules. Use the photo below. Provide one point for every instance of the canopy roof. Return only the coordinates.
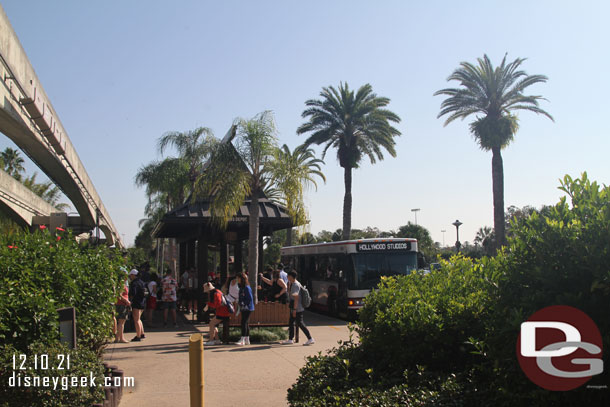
(194, 220)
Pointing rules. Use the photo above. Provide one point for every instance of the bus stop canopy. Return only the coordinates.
(194, 220)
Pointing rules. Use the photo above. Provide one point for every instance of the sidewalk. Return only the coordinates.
(255, 375)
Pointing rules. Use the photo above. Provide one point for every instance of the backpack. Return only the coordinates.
(226, 302)
(305, 297)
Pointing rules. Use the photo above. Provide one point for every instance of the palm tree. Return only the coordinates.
(357, 125)
(12, 162)
(194, 146)
(493, 95)
(168, 178)
(47, 191)
(295, 172)
(246, 169)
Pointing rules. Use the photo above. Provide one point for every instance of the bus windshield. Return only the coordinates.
(369, 267)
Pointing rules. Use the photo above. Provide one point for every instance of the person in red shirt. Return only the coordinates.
(222, 312)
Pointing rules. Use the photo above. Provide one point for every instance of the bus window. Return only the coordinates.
(370, 267)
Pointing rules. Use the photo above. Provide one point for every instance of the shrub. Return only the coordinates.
(461, 322)
(431, 314)
(41, 274)
(260, 335)
(83, 363)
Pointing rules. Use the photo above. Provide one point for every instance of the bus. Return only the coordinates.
(340, 274)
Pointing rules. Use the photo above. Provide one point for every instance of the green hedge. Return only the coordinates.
(41, 274)
(449, 337)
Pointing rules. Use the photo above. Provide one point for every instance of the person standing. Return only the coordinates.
(278, 291)
(222, 312)
(283, 274)
(169, 285)
(246, 306)
(296, 311)
(122, 311)
(138, 303)
(151, 301)
(191, 289)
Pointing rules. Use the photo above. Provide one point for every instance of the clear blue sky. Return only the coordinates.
(120, 74)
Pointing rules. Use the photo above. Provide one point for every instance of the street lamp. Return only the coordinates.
(415, 212)
(457, 225)
(443, 232)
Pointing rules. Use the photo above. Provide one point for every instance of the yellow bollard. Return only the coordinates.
(196, 370)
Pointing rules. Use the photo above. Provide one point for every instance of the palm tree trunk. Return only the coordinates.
(497, 175)
(253, 232)
(347, 204)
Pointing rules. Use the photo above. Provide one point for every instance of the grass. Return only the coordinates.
(260, 335)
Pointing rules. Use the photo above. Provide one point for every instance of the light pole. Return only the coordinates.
(443, 232)
(457, 225)
(415, 210)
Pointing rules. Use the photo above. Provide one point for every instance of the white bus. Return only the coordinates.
(340, 274)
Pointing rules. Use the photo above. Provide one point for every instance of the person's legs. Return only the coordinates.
(141, 324)
(165, 309)
(213, 330)
(114, 327)
(173, 306)
(136, 321)
(291, 326)
(246, 317)
(120, 328)
(301, 325)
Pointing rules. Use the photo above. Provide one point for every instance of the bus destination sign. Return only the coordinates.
(382, 246)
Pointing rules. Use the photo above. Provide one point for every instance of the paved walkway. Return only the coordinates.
(255, 375)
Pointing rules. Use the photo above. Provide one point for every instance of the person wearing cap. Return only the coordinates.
(137, 296)
(222, 312)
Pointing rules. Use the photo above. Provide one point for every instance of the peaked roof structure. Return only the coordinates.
(194, 219)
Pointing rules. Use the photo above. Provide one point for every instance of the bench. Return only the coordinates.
(264, 314)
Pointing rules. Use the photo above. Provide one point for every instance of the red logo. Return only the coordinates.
(560, 348)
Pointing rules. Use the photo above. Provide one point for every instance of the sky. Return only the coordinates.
(121, 74)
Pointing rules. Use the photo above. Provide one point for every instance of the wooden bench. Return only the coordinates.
(265, 314)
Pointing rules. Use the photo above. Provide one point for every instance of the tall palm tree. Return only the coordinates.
(246, 169)
(493, 95)
(194, 146)
(47, 191)
(295, 171)
(13, 162)
(357, 125)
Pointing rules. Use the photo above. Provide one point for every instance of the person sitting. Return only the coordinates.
(222, 312)
(278, 287)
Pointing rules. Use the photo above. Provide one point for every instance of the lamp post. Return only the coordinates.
(443, 232)
(457, 225)
(415, 210)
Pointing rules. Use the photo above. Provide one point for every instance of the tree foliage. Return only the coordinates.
(356, 124)
(449, 335)
(493, 95)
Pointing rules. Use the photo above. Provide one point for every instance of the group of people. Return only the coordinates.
(143, 292)
(283, 287)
